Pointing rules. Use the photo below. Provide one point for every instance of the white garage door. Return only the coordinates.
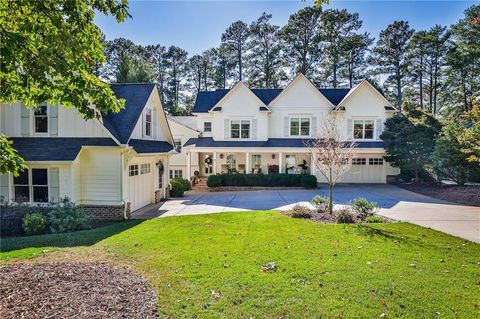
(366, 170)
(140, 179)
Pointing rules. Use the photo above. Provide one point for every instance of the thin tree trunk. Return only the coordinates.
(435, 75)
(421, 82)
(330, 193)
(240, 64)
(399, 91)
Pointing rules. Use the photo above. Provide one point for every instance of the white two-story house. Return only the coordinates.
(265, 130)
(110, 166)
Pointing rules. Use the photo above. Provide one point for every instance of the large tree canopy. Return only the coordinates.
(50, 50)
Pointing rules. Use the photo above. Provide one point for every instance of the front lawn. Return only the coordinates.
(209, 266)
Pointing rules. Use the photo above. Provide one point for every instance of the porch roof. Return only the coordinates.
(150, 146)
(270, 143)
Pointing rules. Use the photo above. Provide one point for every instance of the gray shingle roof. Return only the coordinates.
(121, 124)
(150, 146)
(56, 148)
(272, 142)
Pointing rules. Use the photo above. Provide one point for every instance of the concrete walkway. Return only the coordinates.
(397, 203)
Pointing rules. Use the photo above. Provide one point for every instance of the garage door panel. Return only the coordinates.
(141, 188)
(363, 173)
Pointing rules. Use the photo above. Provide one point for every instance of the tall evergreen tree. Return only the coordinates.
(222, 66)
(157, 56)
(301, 40)
(176, 63)
(266, 62)
(114, 51)
(235, 40)
(355, 65)
(417, 56)
(390, 55)
(336, 28)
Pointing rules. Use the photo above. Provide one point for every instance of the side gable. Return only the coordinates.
(301, 89)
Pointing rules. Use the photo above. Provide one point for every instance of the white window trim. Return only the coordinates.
(32, 122)
(210, 127)
(300, 117)
(174, 173)
(363, 129)
(30, 187)
(145, 123)
(240, 123)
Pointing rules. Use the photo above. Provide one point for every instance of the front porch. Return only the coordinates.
(250, 162)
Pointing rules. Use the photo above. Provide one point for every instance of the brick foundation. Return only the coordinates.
(102, 212)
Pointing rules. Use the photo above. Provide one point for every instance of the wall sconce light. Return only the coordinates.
(222, 156)
(273, 156)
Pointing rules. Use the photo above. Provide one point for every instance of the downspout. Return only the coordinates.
(126, 151)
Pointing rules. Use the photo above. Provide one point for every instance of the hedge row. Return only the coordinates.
(267, 180)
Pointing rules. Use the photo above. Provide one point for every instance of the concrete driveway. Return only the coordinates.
(395, 202)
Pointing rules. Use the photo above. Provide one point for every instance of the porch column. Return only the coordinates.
(313, 168)
(280, 163)
(189, 165)
(215, 163)
(247, 163)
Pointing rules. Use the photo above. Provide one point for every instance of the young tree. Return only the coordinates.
(301, 40)
(332, 156)
(336, 28)
(390, 55)
(176, 62)
(266, 61)
(409, 140)
(235, 40)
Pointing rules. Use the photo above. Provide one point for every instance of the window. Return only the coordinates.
(231, 162)
(363, 129)
(176, 173)
(144, 168)
(31, 186)
(178, 144)
(240, 129)
(290, 161)
(359, 161)
(375, 161)
(148, 122)
(133, 170)
(300, 126)
(256, 161)
(40, 119)
(207, 126)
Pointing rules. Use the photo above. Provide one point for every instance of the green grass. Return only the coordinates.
(324, 270)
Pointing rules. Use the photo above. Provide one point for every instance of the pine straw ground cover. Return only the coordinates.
(90, 290)
(266, 265)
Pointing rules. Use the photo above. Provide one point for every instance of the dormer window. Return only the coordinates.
(148, 122)
(40, 119)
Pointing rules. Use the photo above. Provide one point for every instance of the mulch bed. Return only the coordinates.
(80, 290)
(467, 195)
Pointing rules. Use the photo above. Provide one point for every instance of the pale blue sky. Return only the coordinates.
(198, 25)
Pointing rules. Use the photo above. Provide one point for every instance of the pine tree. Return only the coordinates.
(390, 55)
(176, 63)
(301, 41)
(356, 48)
(235, 40)
(266, 62)
(157, 56)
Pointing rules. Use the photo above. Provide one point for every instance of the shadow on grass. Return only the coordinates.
(73, 239)
(371, 232)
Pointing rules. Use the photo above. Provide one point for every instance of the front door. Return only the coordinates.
(207, 164)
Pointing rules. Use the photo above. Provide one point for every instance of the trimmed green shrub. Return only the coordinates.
(308, 181)
(345, 216)
(363, 207)
(269, 180)
(374, 219)
(67, 217)
(34, 224)
(300, 211)
(179, 186)
(320, 203)
(214, 181)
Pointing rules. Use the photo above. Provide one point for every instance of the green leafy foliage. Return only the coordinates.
(374, 219)
(10, 161)
(267, 180)
(34, 224)
(179, 186)
(363, 207)
(321, 203)
(67, 217)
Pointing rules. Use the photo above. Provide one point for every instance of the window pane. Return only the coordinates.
(235, 125)
(22, 194)
(305, 126)
(41, 124)
(290, 160)
(294, 126)
(39, 176)
(358, 129)
(369, 126)
(40, 194)
(41, 110)
(235, 134)
(21, 179)
(207, 126)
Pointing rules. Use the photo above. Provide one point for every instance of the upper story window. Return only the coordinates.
(148, 122)
(240, 129)
(207, 126)
(31, 185)
(40, 119)
(299, 126)
(178, 144)
(363, 129)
